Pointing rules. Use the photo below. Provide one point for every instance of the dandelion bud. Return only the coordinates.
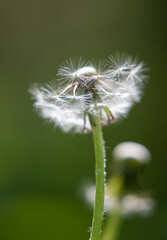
(129, 160)
(137, 205)
(131, 150)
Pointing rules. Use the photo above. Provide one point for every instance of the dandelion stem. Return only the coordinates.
(113, 225)
(100, 178)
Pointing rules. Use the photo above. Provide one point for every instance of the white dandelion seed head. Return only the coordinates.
(131, 150)
(107, 90)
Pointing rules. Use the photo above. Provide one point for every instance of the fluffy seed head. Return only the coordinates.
(107, 90)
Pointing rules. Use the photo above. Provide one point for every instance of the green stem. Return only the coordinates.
(112, 228)
(100, 178)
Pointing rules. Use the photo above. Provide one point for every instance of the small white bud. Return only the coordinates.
(137, 205)
(131, 150)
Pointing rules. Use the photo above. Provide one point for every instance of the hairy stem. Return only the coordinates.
(100, 178)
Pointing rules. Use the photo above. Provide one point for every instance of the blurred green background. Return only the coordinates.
(41, 168)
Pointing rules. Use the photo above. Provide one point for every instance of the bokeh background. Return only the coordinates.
(41, 168)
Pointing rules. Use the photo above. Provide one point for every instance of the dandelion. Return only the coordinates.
(107, 90)
(87, 96)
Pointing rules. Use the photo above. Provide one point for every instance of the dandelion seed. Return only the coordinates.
(108, 91)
